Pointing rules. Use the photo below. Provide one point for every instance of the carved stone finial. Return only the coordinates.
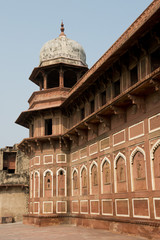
(62, 29)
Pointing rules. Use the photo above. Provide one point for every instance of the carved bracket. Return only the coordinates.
(40, 145)
(139, 101)
(118, 111)
(73, 138)
(82, 133)
(156, 84)
(105, 120)
(93, 127)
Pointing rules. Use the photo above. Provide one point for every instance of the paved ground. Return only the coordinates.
(18, 231)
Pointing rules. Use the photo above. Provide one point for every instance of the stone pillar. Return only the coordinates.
(61, 78)
(40, 85)
(45, 81)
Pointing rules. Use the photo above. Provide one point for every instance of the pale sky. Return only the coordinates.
(26, 25)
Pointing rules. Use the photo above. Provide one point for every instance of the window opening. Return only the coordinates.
(155, 59)
(116, 88)
(48, 127)
(103, 98)
(92, 106)
(134, 75)
(82, 113)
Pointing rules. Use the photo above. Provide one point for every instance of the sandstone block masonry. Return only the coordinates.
(13, 184)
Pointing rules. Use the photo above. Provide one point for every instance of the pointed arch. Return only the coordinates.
(36, 184)
(117, 157)
(105, 160)
(74, 180)
(44, 176)
(133, 153)
(155, 165)
(138, 170)
(83, 191)
(61, 172)
(94, 177)
(120, 184)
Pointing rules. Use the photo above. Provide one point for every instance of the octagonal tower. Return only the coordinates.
(62, 63)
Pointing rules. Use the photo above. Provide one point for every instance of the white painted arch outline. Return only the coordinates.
(44, 174)
(83, 167)
(74, 170)
(133, 153)
(102, 163)
(38, 183)
(57, 174)
(153, 149)
(90, 173)
(115, 170)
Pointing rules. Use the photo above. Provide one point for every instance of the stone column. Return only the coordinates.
(45, 81)
(61, 78)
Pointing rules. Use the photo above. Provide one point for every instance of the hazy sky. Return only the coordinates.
(25, 25)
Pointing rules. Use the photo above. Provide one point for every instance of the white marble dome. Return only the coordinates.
(62, 50)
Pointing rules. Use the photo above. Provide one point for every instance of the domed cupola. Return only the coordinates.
(62, 50)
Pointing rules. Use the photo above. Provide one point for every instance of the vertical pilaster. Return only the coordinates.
(45, 81)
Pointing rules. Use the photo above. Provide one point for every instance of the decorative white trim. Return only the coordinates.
(155, 208)
(47, 156)
(38, 161)
(65, 206)
(100, 144)
(32, 162)
(90, 154)
(122, 215)
(37, 171)
(149, 124)
(107, 200)
(76, 159)
(65, 174)
(44, 174)
(34, 208)
(72, 206)
(80, 152)
(74, 170)
(152, 151)
(133, 153)
(139, 216)
(61, 161)
(51, 206)
(121, 141)
(90, 174)
(102, 163)
(80, 206)
(31, 184)
(81, 178)
(140, 135)
(115, 170)
(91, 207)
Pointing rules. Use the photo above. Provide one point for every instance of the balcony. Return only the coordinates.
(48, 98)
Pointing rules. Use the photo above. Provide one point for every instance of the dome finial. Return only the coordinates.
(62, 29)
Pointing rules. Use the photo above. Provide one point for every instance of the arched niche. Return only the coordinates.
(94, 178)
(75, 185)
(53, 79)
(83, 181)
(36, 184)
(138, 169)
(120, 173)
(61, 182)
(105, 176)
(70, 78)
(155, 165)
(48, 183)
